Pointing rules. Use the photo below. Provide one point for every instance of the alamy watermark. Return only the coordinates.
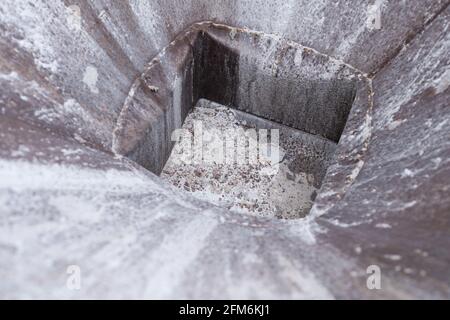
(374, 16)
(231, 147)
(73, 281)
(373, 281)
(73, 14)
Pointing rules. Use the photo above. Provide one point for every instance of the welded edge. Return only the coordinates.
(326, 199)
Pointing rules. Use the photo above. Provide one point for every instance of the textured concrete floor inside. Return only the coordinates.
(257, 173)
(349, 199)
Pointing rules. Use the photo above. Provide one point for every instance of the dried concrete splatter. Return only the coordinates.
(283, 188)
(90, 78)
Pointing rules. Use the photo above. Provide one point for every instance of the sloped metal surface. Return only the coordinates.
(68, 197)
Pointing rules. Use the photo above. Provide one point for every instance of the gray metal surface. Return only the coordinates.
(70, 196)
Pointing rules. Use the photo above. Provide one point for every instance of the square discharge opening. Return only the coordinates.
(288, 101)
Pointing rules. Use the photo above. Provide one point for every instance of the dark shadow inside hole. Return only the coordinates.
(310, 110)
(313, 105)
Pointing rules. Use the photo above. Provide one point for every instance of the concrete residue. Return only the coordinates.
(374, 15)
(74, 17)
(256, 188)
(90, 78)
(63, 203)
(443, 82)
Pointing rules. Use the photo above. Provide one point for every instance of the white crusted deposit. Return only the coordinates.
(272, 185)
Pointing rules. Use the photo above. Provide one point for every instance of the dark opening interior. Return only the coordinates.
(289, 96)
(309, 109)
